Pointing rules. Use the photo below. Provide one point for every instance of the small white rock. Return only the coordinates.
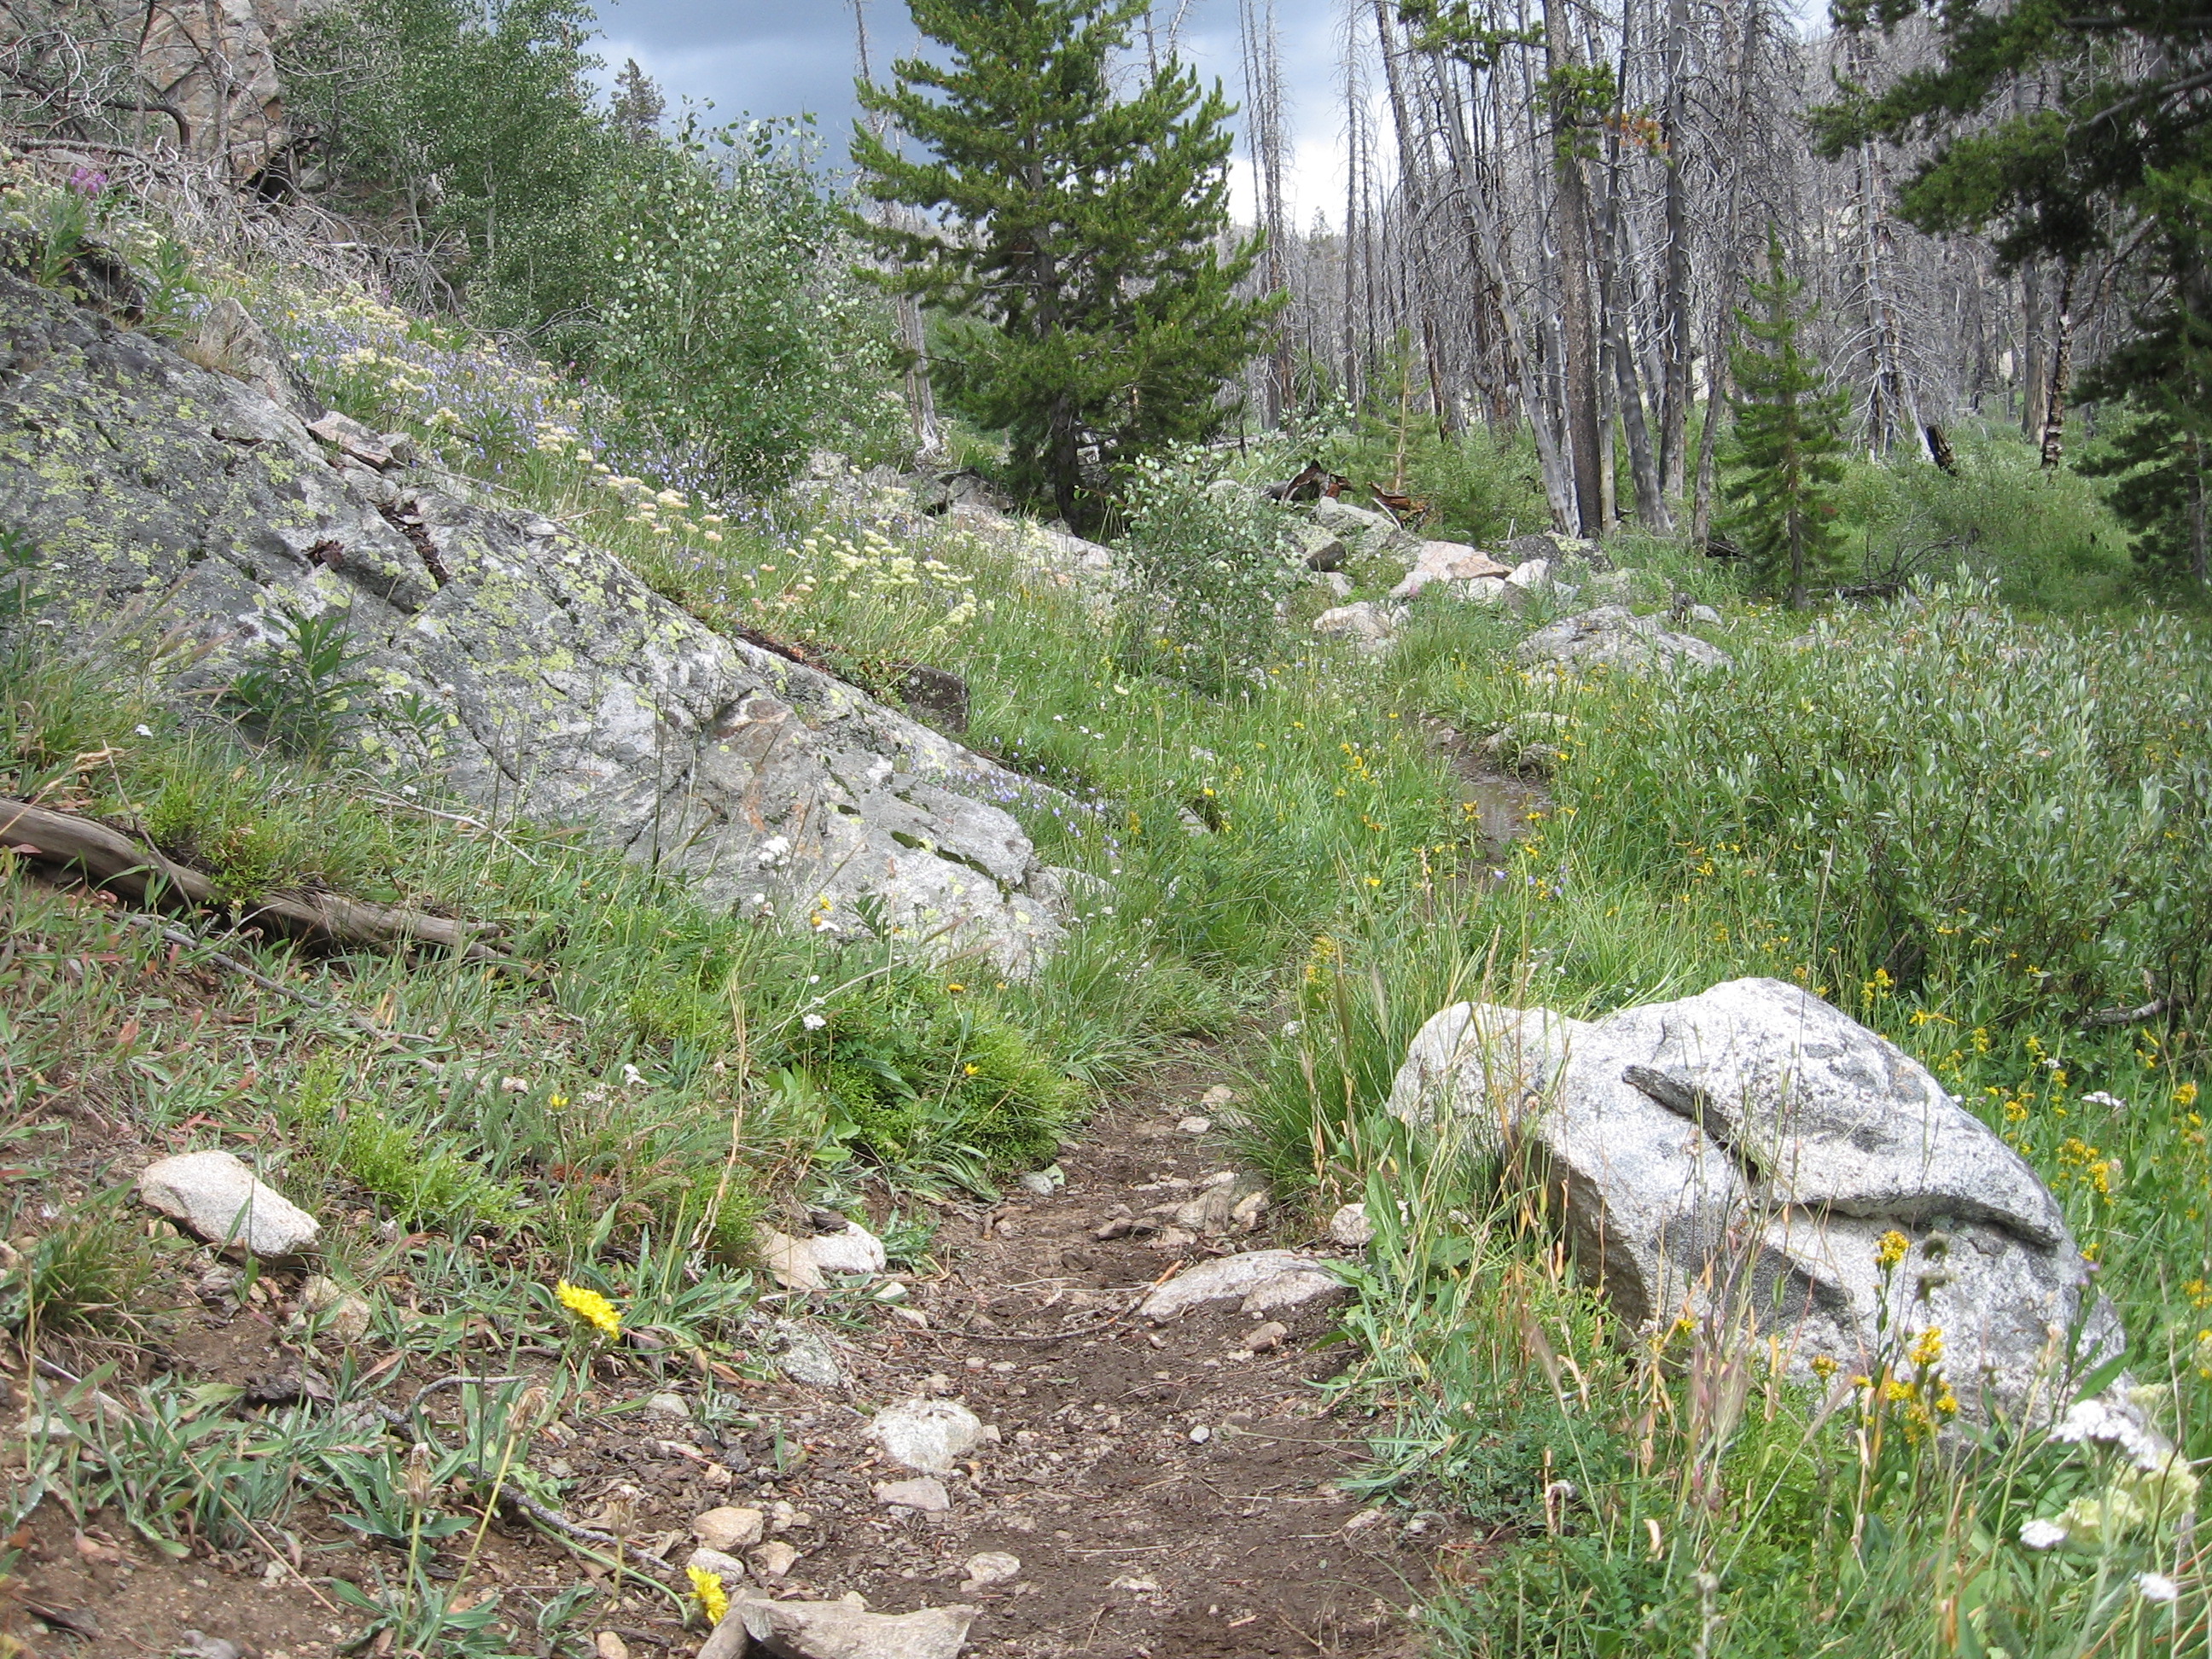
(728, 1529)
(1351, 1228)
(668, 1405)
(854, 1250)
(926, 1434)
(1195, 1125)
(925, 1492)
(1218, 1096)
(727, 1568)
(789, 1261)
(1200, 1434)
(775, 1559)
(990, 1567)
(219, 1199)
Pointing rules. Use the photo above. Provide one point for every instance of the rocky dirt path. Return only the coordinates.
(1167, 1489)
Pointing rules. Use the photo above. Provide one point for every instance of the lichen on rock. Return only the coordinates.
(535, 670)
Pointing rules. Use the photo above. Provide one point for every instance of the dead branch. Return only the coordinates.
(109, 859)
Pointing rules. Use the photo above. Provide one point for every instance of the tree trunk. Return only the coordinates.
(2034, 365)
(1725, 271)
(2200, 547)
(1574, 311)
(2062, 368)
(1674, 317)
(1650, 500)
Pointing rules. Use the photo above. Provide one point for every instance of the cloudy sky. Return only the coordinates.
(783, 56)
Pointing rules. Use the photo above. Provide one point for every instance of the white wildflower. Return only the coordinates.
(2042, 1534)
(2156, 1587)
(813, 1022)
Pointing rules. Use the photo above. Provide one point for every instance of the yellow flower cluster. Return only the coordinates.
(707, 1590)
(590, 1307)
(1891, 1248)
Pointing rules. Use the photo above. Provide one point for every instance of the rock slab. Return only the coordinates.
(837, 1630)
(220, 1200)
(1739, 1157)
(1235, 1278)
(527, 666)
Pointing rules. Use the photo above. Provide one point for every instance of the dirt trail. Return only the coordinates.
(1167, 1493)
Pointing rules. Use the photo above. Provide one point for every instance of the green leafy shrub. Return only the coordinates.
(1211, 563)
(729, 322)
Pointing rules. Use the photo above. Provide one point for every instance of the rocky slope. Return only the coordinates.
(169, 503)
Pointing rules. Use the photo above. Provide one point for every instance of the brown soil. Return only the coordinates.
(1137, 1534)
(1135, 1537)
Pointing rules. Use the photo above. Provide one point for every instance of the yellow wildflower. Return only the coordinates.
(707, 1590)
(590, 1307)
(1928, 1347)
(1823, 1367)
(1890, 1248)
(2185, 1095)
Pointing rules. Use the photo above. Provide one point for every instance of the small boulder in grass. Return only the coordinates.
(216, 1197)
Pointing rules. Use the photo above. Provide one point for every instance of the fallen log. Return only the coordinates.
(105, 858)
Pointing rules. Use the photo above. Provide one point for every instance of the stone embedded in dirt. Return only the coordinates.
(1293, 1290)
(926, 1434)
(723, 1565)
(1224, 1279)
(775, 1559)
(925, 1492)
(729, 1529)
(346, 1316)
(668, 1405)
(789, 1261)
(1746, 1153)
(1037, 1184)
(989, 1568)
(1245, 1213)
(219, 1199)
(1264, 1339)
(1194, 1125)
(1209, 1213)
(851, 1249)
(806, 1356)
(608, 1644)
(1217, 1096)
(1114, 1226)
(837, 1630)
(1351, 1228)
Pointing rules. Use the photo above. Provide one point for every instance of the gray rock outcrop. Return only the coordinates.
(1615, 636)
(1742, 1155)
(1366, 625)
(534, 669)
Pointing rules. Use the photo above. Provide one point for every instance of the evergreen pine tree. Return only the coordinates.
(1069, 240)
(1785, 454)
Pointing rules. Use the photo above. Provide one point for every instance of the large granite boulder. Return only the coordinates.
(1743, 1155)
(532, 668)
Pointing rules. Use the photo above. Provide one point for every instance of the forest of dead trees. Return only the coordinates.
(1549, 221)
